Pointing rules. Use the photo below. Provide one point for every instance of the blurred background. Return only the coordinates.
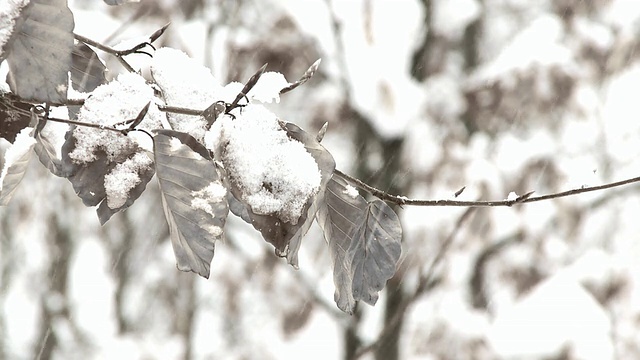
(422, 98)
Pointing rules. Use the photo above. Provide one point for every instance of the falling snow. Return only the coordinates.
(550, 105)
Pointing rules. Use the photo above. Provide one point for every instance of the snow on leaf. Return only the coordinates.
(110, 104)
(16, 160)
(364, 241)
(275, 172)
(124, 184)
(268, 87)
(39, 51)
(87, 71)
(88, 179)
(192, 87)
(351, 191)
(193, 199)
(124, 177)
(89, 154)
(9, 13)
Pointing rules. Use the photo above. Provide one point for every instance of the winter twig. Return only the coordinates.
(526, 198)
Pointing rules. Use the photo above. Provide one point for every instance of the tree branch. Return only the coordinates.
(526, 198)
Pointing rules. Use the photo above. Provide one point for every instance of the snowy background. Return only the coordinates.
(422, 98)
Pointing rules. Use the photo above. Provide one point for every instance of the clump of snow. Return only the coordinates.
(185, 83)
(24, 143)
(124, 177)
(112, 103)
(213, 193)
(9, 12)
(351, 191)
(268, 87)
(512, 196)
(275, 174)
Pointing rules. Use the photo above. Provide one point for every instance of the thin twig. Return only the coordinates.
(526, 198)
(179, 110)
(91, 125)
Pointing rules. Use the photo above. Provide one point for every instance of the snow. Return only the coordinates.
(541, 288)
(113, 103)
(268, 87)
(351, 192)
(9, 12)
(213, 193)
(275, 174)
(185, 83)
(123, 178)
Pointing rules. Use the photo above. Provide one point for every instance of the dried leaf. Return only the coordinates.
(39, 51)
(364, 241)
(338, 216)
(375, 250)
(193, 199)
